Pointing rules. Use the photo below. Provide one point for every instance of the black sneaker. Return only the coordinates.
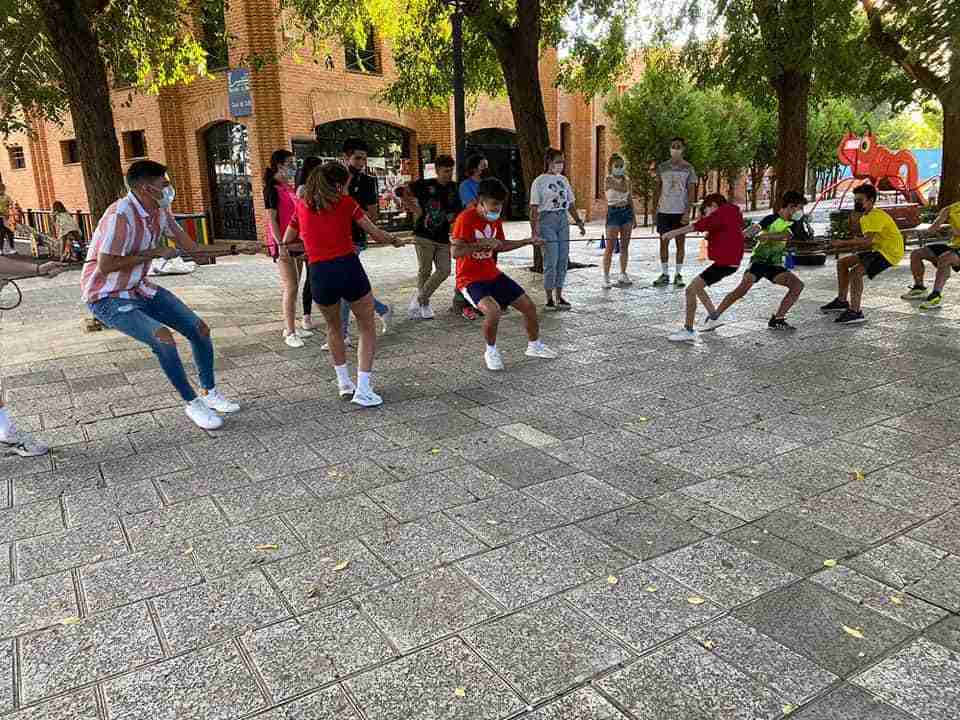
(550, 305)
(835, 305)
(562, 304)
(776, 323)
(849, 317)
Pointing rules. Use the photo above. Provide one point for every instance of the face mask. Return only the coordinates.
(858, 206)
(491, 216)
(290, 172)
(676, 153)
(797, 216)
(619, 170)
(557, 168)
(166, 196)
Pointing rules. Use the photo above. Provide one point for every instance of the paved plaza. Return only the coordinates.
(755, 526)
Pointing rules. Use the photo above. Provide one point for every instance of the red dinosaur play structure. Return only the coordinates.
(885, 169)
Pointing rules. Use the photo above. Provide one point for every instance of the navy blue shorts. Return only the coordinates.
(668, 221)
(504, 290)
(342, 278)
(617, 217)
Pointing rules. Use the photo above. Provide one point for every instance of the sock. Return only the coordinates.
(665, 267)
(5, 422)
(343, 374)
(533, 343)
(491, 347)
(679, 268)
(363, 380)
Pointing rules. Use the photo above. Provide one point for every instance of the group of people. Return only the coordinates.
(321, 214)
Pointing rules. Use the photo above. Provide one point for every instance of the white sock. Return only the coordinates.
(665, 267)
(679, 268)
(5, 422)
(363, 380)
(343, 374)
(491, 347)
(533, 343)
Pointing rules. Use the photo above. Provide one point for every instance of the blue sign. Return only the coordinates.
(241, 102)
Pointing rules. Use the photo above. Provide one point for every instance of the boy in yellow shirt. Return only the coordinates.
(944, 256)
(881, 247)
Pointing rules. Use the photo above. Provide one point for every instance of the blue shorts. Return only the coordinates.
(504, 290)
(342, 278)
(620, 216)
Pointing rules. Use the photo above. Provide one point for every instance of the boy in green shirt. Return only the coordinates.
(767, 262)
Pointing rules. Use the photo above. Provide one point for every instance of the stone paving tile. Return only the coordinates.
(574, 454)
(898, 563)
(199, 481)
(6, 569)
(78, 706)
(70, 548)
(338, 449)
(427, 607)
(578, 496)
(212, 684)
(942, 532)
(505, 517)
(325, 523)
(809, 535)
(288, 462)
(584, 704)
(412, 462)
(240, 547)
(922, 679)
(854, 516)
(699, 515)
(312, 580)
(809, 620)
(216, 610)
(941, 585)
(535, 567)
(423, 544)
(36, 604)
(265, 498)
(946, 632)
(481, 444)
(172, 525)
(724, 452)
(546, 649)
(525, 467)
(426, 685)
(906, 492)
(135, 577)
(684, 681)
(154, 464)
(745, 497)
(350, 478)
(436, 491)
(67, 656)
(939, 466)
(643, 531)
(645, 478)
(107, 505)
(299, 654)
(126, 425)
(643, 608)
(6, 671)
(722, 572)
(29, 520)
(790, 675)
(328, 703)
(891, 440)
(850, 703)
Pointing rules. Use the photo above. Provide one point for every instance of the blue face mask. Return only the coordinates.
(491, 216)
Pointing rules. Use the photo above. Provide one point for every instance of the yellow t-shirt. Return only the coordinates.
(888, 240)
(953, 217)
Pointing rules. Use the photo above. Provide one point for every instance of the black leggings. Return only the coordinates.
(307, 296)
(6, 235)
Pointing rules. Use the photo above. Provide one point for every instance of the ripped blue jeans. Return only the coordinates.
(142, 318)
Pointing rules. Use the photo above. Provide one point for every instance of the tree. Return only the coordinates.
(911, 129)
(764, 153)
(923, 40)
(829, 121)
(59, 56)
(733, 123)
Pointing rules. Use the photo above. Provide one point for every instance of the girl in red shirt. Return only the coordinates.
(323, 220)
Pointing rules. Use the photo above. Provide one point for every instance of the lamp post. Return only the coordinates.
(459, 112)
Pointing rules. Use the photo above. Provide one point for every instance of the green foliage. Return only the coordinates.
(913, 129)
(827, 124)
(733, 125)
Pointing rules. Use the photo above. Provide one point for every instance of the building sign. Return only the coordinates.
(241, 102)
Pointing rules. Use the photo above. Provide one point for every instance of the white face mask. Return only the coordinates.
(619, 170)
(557, 168)
(676, 153)
(167, 196)
(797, 216)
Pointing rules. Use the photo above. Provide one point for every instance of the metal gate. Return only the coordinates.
(228, 167)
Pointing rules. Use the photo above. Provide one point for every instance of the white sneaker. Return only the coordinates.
(683, 335)
(13, 442)
(625, 279)
(303, 333)
(346, 344)
(493, 359)
(711, 324)
(9, 251)
(292, 340)
(203, 416)
(413, 309)
(538, 350)
(426, 312)
(607, 282)
(366, 398)
(347, 388)
(215, 400)
(386, 319)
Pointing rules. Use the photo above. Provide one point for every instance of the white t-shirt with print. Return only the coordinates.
(676, 179)
(552, 193)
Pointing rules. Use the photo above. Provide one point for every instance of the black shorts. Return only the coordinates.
(766, 270)
(939, 249)
(504, 290)
(873, 262)
(668, 221)
(342, 278)
(715, 273)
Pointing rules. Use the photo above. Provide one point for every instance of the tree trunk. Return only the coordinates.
(85, 79)
(793, 93)
(950, 179)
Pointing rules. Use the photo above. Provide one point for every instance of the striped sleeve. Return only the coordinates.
(115, 234)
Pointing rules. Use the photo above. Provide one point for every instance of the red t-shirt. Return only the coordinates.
(327, 234)
(480, 266)
(724, 228)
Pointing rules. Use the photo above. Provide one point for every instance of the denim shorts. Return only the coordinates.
(620, 216)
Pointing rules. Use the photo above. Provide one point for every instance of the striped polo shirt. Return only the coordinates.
(126, 228)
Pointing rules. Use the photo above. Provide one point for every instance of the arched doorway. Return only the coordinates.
(503, 156)
(231, 189)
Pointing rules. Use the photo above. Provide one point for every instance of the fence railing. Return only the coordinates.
(196, 225)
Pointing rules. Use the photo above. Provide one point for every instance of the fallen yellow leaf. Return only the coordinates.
(188, 551)
(651, 588)
(460, 692)
(854, 632)
(695, 600)
(267, 546)
(643, 419)
(789, 708)
(435, 451)
(896, 600)
(612, 579)
(342, 565)
(829, 563)
(73, 620)
(856, 475)
(708, 644)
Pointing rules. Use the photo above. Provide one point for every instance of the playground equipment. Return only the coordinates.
(885, 169)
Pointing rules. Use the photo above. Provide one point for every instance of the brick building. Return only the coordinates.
(306, 104)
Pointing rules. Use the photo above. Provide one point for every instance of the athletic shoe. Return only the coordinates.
(13, 442)
(386, 319)
(849, 317)
(347, 388)
(625, 279)
(468, 313)
(678, 280)
(933, 302)
(293, 340)
(917, 292)
(562, 304)
(711, 324)
(203, 416)
(538, 350)
(215, 400)
(366, 398)
(683, 335)
(550, 305)
(9, 251)
(346, 344)
(303, 333)
(607, 282)
(776, 323)
(413, 309)
(492, 358)
(835, 305)
(664, 279)
(426, 312)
